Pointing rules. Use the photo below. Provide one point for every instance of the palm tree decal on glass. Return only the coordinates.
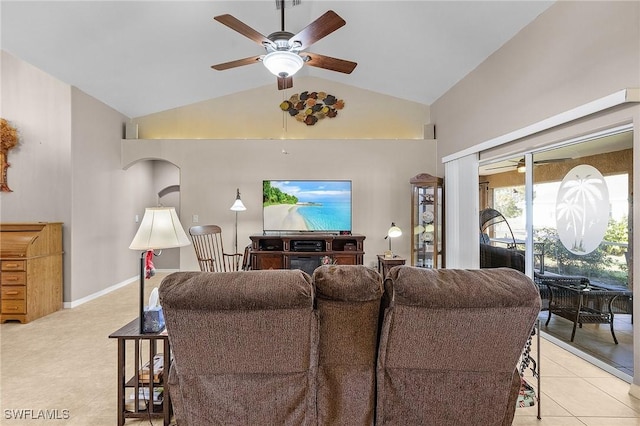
(582, 209)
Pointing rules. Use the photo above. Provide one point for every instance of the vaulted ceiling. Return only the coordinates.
(142, 57)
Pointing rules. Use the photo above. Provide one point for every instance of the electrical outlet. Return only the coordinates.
(137, 218)
(195, 218)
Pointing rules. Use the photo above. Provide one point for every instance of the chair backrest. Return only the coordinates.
(450, 344)
(501, 257)
(207, 242)
(348, 305)
(490, 218)
(246, 258)
(244, 346)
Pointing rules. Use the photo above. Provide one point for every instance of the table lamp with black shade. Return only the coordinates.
(160, 229)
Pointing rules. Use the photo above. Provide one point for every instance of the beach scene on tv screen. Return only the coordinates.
(306, 205)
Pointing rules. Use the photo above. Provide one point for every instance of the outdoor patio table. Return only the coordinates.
(575, 299)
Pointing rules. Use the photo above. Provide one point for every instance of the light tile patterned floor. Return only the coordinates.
(65, 361)
(575, 392)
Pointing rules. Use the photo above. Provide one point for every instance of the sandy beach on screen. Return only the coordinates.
(283, 217)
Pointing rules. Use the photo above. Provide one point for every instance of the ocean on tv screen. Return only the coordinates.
(319, 206)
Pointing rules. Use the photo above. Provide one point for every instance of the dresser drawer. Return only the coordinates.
(13, 307)
(12, 265)
(12, 292)
(13, 278)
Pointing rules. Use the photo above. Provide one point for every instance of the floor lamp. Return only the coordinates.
(237, 207)
(160, 229)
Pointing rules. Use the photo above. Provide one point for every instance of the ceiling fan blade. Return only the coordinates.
(237, 63)
(556, 160)
(321, 27)
(239, 26)
(329, 63)
(499, 167)
(285, 83)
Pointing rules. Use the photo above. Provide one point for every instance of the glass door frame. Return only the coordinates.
(529, 225)
(528, 158)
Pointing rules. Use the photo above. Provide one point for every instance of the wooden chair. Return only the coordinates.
(207, 242)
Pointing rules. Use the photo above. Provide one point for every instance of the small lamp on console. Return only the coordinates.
(393, 232)
(160, 229)
(237, 207)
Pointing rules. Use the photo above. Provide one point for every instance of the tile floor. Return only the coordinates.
(596, 341)
(65, 361)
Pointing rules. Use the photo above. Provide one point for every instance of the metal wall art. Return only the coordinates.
(309, 107)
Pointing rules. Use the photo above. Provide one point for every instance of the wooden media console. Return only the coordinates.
(305, 251)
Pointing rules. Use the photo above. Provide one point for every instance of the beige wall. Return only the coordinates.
(67, 168)
(573, 53)
(39, 107)
(255, 114)
(211, 170)
(105, 199)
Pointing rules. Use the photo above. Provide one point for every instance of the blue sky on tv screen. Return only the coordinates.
(315, 191)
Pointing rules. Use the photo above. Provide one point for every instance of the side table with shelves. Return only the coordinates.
(386, 263)
(145, 386)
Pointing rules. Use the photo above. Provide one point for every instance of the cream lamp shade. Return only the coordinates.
(160, 229)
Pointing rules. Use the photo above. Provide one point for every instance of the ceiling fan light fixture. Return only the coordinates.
(521, 167)
(283, 63)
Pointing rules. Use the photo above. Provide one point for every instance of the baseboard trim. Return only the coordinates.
(76, 303)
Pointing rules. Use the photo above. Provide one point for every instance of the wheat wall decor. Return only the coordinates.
(8, 140)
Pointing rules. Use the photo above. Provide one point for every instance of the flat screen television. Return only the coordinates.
(306, 205)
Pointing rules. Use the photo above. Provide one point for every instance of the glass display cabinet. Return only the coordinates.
(427, 221)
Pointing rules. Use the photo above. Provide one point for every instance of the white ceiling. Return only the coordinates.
(142, 57)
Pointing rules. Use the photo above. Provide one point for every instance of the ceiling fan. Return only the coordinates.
(521, 167)
(285, 51)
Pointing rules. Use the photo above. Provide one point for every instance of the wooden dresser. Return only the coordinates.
(30, 270)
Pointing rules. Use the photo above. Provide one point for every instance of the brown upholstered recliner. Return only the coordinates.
(450, 343)
(259, 347)
(348, 305)
(244, 346)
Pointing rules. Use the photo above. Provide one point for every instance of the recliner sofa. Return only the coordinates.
(437, 347)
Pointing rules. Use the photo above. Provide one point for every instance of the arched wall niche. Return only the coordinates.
(166, 187)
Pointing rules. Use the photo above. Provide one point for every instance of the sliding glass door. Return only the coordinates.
(579, 209)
